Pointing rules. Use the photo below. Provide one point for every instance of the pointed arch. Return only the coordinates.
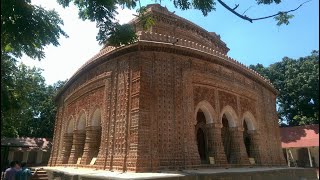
(250, 120)
(96, 118)
(82, 121)
(70, 126)
(230, 114)
(208, 111)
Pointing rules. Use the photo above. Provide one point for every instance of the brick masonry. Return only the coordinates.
(149, 94)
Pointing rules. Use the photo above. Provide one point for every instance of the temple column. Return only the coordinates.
(238, 150)
(77, 146)
(92, 144)
(254, 149)
(101, 157)
(66, 148)
(215, 145)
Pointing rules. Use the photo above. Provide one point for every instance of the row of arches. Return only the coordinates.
(81, 138)
(95, 120)
(211, 116)
(224, 136)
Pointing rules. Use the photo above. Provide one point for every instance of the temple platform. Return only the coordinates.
(256, 173)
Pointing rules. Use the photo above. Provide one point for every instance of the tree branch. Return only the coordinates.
(246, 10)
(255, 19)
(236, 6)
(234, 12)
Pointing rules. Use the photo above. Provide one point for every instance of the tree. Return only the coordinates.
(104, 11)
(298, 83)
(34, 111)
(27, 29)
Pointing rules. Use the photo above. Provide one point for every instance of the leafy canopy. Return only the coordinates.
(27, 29)
(31, 109)
(298, 83)
(110, 32)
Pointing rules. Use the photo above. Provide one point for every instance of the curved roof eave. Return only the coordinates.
(111, 50)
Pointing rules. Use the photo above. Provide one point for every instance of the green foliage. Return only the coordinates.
(283, 18)
(268, 1)
(205, 6)
(121, 35)
(103, 13)
(26, 29)
(145, 19)
(27, 107)
(34, 111)
(298, 83)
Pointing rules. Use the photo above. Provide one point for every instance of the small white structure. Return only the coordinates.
(301, 145)
(33, 151)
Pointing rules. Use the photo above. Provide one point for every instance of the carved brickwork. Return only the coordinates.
(56, 138)
(201, 93)
(148, 95)
(227, 99)
(247, 105)
(164, 91)
(105, 120)
(132, 152)
(121, 115)
(178, 157)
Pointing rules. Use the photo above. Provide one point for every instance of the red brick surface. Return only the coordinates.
(149, 94)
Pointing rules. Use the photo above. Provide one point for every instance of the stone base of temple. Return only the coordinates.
(254, 173)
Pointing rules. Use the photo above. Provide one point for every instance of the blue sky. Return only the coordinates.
(250, 43)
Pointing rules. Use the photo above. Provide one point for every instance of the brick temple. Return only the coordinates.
(171, 100)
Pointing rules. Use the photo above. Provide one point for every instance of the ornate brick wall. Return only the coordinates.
(149, 94)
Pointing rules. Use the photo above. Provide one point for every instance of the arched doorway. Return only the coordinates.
(226, 138)
(96, 127)
(250, 136)
(246, 139)
(201, 137)
(67, 141)
(201, 146)
(228, 119)
(93, 138)
(78, 141)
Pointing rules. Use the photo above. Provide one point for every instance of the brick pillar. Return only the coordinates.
(254, 149)
(66, 149)
(77, 146)
(92, 144)
(215, 145)
(238, 150)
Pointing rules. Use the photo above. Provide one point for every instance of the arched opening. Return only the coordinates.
(96, 118)
(96, 124)
(201, 145)
(226, 138)
(70, 126)
(93, 138)
(201, 137)
(228, 119)
(67, 141)
(78, 142)
(246, 138)
(82, 122)
(249, 132)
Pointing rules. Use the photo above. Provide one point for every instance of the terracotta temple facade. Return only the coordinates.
(171, 100)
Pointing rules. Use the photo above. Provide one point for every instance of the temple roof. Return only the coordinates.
(178, 32)
(27, 142)
(169, 23)
(300, 136)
